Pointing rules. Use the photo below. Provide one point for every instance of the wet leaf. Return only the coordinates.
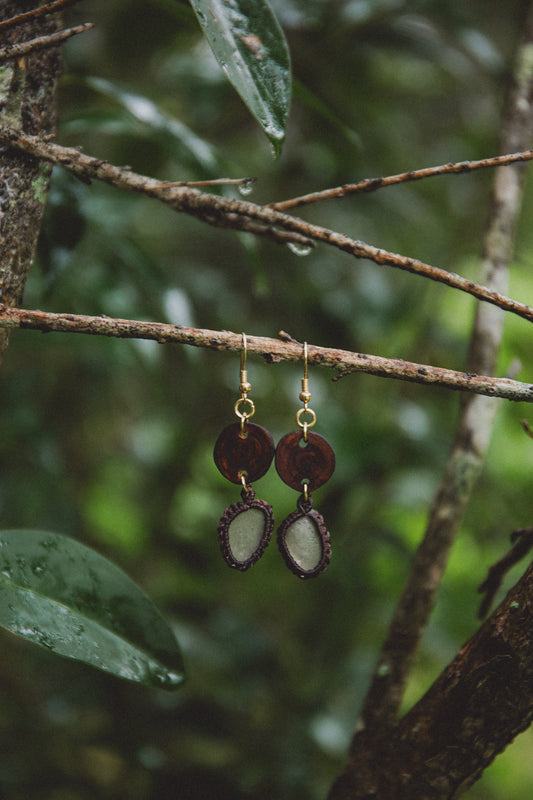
(249, 45)
(62, 595)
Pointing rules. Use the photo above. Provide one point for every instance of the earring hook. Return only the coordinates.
(305, 397)
(243, 352)
(245, 386)
(305, 394)
(244, 407)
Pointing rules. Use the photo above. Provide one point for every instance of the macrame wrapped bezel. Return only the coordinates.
(303, 511)
(248, 503)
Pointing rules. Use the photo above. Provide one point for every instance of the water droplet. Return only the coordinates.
(50, 544)
(78, 629)
(247, 186)
(300, 249)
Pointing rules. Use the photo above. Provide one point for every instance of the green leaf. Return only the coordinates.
(249, 45)
(62, 595)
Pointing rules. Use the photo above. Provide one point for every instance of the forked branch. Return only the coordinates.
(480, 702)
(240, 215)
(448, 735)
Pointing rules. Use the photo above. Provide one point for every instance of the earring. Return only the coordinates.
(243, 453)
(304, 462)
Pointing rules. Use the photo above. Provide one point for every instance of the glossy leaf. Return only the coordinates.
(249, 45)
(62, 595)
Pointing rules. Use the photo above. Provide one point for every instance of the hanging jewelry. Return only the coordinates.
(243, 453)
(304, 462)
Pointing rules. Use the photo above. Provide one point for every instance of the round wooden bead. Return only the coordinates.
(299, 462)
(250, 454)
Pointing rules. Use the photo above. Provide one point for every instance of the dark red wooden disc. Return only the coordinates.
(297, 461)
(252, 454)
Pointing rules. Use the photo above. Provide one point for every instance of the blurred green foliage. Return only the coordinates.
(111, 441)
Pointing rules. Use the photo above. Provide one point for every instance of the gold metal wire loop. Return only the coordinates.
(246, 402)
(244, 407)
(305, 423)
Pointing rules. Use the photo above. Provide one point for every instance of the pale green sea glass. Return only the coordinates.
(303, 542)
(245, 533)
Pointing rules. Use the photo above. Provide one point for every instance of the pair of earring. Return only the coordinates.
(304, 461)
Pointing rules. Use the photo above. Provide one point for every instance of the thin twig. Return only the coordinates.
(41, 11)
(42, 42)
(272, 350)
(241, 215)
(523, 539)
(246, 182)
(373, 184)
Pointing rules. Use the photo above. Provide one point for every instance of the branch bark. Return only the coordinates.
(41, 42)
(224, 212)
(480, 702)
(272, 350)
(373, 184)
(34, 13)
(27, 104)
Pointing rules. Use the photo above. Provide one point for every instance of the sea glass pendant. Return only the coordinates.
(244, 531)
(243, 453)
(303, 541)
(304, 464)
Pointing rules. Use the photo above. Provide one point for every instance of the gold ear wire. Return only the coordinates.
(305, 394)
(244, 407)
(245, 386)
(305, 397)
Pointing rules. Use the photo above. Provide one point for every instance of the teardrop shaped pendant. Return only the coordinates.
(303, 540)
(244, 530)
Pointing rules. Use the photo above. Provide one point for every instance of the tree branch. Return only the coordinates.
(272, 350)
(42, 42)
(240, 215)
(522, 540)
(27, 104)
(382, 702)
(34, 13)
(373, 184)
(480, 702)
